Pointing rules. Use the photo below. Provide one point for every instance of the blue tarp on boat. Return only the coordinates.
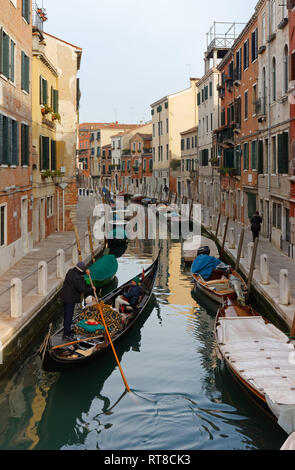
(204, 265)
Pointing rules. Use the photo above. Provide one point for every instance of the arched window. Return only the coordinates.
(263, 104)
(286, 69)
(274, 79)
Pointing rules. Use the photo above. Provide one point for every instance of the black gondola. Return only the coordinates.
(89, 348)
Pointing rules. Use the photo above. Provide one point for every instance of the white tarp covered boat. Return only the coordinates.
(261, 357)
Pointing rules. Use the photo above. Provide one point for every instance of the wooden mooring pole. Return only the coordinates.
(241, 241)
(224, 237)
(218, 224)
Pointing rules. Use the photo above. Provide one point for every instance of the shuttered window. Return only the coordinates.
(246, 155)
(44, 153)
(25, 74)
(54, 100)
(260, 157)
(283, 153)
(254, 155)
(43, 91)
(25, 155)
(254, 44)
(7, 56)
(53, 155)
(26, 10)
(246, 54)
(9, 136)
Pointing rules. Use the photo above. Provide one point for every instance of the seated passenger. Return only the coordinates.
(130, 296)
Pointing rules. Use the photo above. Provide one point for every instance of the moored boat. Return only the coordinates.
(260, 357)
(222, 283)
(56, 354)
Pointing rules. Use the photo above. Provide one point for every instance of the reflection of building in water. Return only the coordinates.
(163, 270)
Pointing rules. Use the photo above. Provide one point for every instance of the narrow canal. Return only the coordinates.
(184, 397)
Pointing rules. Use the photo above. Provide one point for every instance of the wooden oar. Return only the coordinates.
(108, 334)
(76, 342)
(90, 241)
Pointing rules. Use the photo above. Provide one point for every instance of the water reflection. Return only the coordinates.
(184, 397)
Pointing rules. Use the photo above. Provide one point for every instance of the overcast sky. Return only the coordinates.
(134, 51)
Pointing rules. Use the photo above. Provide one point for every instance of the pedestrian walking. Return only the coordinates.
(74, 285)
(256, 222)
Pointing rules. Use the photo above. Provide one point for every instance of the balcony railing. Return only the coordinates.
(260, 108)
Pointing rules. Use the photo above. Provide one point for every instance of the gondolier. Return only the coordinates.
(74, 285)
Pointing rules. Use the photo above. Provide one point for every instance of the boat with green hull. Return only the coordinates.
(103, 271)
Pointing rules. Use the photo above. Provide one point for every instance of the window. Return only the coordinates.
(54, 100)
(26, 10)
(188, 143)
(53, 155)
(286, 69)
(274, 79)
(49, 206)
(25, 74)
(44, 97)
(3, 225)
(254, 155)
(25, 147)
(246, 54)
(8, 141)
(199, 99)
(273, 16)
(7, 52)
(246, 105)
(182, 144)
(277, 215)
(254, 99)
(263, 29)
(246, 155)
(274, 154)
(283, 153)
(167, 125)
(44, 153)
(210, 88)
(254, 43)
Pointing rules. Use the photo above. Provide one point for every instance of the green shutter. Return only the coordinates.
(14, 143)
(283, 153)
(260, 157)
(45, 149)
(6, 55)
(25, 73)
(246, 156)
(1, 50)
(254, 155)
(53, 155)
(55, 101)
(26, 10)
(210, 88)
(25, 144)
(12, 49)
(199, 99)
(1, 140)
(44, 96)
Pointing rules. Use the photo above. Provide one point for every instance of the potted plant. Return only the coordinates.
(46, 109)
(55, 117)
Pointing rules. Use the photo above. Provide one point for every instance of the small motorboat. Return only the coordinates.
(260, 357)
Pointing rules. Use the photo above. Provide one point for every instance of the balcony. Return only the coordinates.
(225, 135)
(260, 109)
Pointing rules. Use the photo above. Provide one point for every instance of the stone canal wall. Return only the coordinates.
(274, 296)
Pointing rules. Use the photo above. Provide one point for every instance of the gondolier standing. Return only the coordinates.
(74, 285)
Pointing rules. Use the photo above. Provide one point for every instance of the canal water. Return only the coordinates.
(183, 397)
